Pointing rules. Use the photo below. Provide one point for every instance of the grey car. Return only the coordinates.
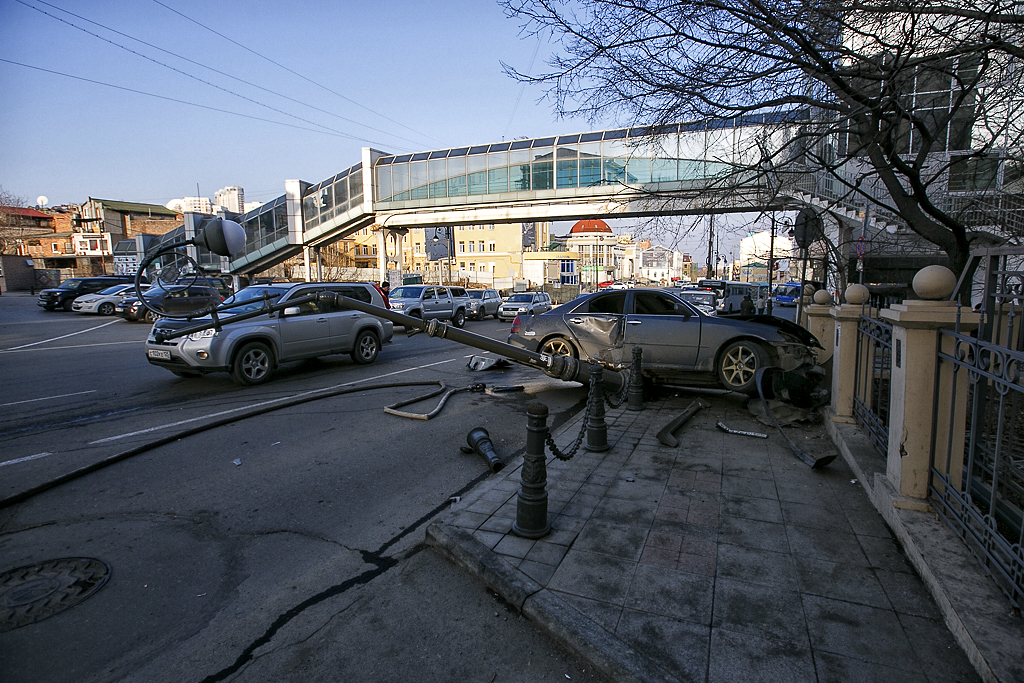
(482, 303)
(252, 349)
(680, 343)
(525, 303)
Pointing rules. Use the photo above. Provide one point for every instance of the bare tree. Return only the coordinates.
(11, 225)
(910, 106)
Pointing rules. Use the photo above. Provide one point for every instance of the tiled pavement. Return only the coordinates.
(724, 559)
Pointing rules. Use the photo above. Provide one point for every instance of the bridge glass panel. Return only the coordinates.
(543, 176)
(519, 177)
(497, 180)
(400, 180)
(457, 186)
(326, 201)
(477, 182)
(355, 186)
(418, 180)
(497, 159)
(438, 190)
(590, 172)
(309, 205)
(281, 219)
(664, 171)
(568, 173)
(341, 196)
(638, 170)
(614, 171)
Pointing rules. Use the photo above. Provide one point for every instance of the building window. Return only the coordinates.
(462, 247)
(490, 246)
(481, 245)
(462, 265)
(55, 247)
(472, 246)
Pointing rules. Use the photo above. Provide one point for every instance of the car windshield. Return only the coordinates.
(702, 298)
(476, 294)
(116, 289)
(406, 293)
(253, 295)
(521, 298)
(70, 284)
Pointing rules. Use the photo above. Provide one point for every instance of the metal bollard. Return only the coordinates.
(597, 429)
(635, 393)
(532, 502)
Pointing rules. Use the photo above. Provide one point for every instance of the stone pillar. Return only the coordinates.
(915, 337)
(844, 360)
(822, 325)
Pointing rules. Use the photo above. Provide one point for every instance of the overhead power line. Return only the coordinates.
(172, 99)
(204, 66)
(196, 78)
(295, 73)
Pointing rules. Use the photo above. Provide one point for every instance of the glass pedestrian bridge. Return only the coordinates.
(612, 173)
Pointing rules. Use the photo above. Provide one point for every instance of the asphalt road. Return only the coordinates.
(280, 547)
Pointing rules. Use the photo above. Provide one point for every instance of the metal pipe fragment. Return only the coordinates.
(480, 441)
(665, 435)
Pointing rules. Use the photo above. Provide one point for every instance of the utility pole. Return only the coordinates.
(711, 246)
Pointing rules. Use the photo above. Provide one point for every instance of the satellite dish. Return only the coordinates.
(42, 200)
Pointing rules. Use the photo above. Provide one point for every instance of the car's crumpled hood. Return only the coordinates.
(786, 326)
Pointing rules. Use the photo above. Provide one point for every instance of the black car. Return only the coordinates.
(680, 343)
(66, 292)
(172, 299)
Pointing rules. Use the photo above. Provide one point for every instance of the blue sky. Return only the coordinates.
(417, 75)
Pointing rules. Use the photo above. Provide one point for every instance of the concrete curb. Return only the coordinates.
(599, 648)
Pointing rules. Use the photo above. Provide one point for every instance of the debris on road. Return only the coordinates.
(478, 363)
(728, 430)
(237, 461)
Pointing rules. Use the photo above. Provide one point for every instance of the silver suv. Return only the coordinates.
(429, 302)
(252, 349)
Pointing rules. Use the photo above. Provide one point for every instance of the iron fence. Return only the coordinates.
(871, 388)
(977, 469)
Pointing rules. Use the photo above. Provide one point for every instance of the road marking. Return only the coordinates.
(264, 403)
(63, 336)
(25, 459)
(76, 346)
(47, 398)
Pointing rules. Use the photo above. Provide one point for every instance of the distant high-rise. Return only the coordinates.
(231, 198)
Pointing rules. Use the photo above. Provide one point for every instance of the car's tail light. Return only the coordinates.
(515, 326)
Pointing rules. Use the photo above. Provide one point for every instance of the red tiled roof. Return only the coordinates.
(23, 211)
(596, 225)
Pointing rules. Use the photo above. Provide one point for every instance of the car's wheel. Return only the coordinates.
(366, 348)
(151, 316)
(496, 316)
(106, 308)
(68, 304)
(738, 364)
(253, 364)
(185, 374)
(459, 319)
(558, 346)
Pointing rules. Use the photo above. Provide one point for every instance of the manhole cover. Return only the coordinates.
(30, 594)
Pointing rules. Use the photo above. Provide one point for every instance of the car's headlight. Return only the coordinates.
(397, 306)
(203, 334)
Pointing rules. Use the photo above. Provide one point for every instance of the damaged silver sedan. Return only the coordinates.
(681, 345)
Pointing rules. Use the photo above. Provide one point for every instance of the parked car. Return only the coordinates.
(428, 302)
(252, 349)
(172, 299)
(526, 303)
(680, 343)
(64, 295)
(701, 299)
(482, 303)
(104, 301)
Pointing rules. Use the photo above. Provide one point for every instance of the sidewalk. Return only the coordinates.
(724, 559)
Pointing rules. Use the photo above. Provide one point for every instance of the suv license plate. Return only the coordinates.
(159, 353)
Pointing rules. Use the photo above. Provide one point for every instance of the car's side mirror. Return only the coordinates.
(291, 310)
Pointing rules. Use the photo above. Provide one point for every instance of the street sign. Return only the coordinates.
(860, 247)
(807, 228)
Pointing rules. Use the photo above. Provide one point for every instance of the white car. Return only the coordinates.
(104, 301)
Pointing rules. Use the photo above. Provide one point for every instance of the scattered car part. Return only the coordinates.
(665, 435)
(478, 363)
(815, 463)
(480, 442)
(728, 430)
